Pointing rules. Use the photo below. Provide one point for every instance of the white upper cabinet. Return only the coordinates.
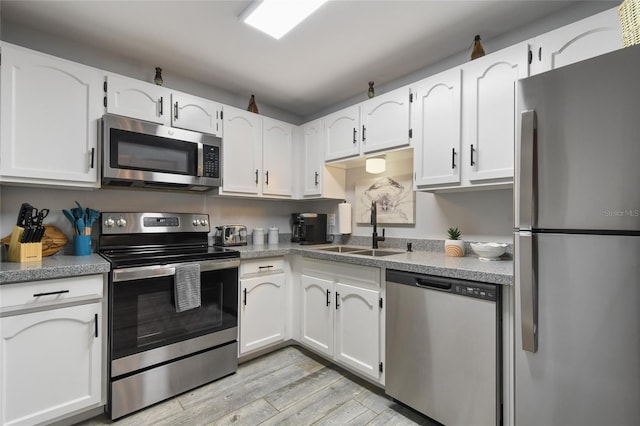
(49, 122)
(489, 113)
(375, 125)
(589, 37)
(257, 155)
(137, 99)
(197, 114)
(277, 155)
(436, 116)
(241, 152)
(149, 102)
(317, 179)
(385, 121)
(341, 133)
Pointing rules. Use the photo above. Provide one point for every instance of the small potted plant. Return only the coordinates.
(454, 246)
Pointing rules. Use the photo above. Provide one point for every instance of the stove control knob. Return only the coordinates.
(204, 222)
(109, 223)
(121, 222)
(195, 222)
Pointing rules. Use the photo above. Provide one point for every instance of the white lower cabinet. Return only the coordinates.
(51, 350)
(263, 309)
(342, 315)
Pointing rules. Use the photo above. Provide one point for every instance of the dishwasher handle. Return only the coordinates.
(433, 283)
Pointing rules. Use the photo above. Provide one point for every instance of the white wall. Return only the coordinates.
(480, 215)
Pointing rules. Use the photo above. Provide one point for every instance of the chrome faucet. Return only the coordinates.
(374, 222)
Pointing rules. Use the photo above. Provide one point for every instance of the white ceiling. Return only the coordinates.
(326, 60)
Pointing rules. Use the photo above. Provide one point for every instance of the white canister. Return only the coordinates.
(258, 236)
(274, 238)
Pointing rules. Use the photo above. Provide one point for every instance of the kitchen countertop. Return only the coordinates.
(423, 262)
(57, 266)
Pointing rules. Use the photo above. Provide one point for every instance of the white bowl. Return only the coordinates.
(489, 251)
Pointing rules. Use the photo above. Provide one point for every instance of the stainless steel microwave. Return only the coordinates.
(142, 154)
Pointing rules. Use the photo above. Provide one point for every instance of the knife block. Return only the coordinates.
(23, 252)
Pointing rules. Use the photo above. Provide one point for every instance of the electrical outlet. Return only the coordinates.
(331, 218)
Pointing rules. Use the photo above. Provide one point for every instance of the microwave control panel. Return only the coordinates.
(211, 161)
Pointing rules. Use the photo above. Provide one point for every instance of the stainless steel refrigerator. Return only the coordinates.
(577, 245)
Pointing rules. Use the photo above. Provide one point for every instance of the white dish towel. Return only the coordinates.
(187, 287)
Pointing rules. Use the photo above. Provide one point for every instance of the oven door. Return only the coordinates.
(145, 327)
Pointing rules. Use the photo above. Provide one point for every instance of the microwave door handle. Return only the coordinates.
(200, 168)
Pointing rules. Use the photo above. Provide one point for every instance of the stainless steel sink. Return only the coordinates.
(376, 252)
(341, 249)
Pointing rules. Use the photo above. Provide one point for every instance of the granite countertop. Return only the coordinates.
(424, 262)
(57, 266)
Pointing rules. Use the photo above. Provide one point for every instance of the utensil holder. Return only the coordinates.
(81, 245)
(23, 252)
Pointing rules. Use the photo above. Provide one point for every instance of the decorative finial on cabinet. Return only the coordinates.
(158, 78)
(478, 51)
(371, 93)
(253, 107)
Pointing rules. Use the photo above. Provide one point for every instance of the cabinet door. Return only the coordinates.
(262, 311)
(277, 157)
(51, 363)
(241, 151)
(317, 312)
(584, 39)
(436, 122)
(385, 121)
(357, 328)
(137, 99)
(49, 124)
(313, 158)
(342, 133)
(489, 121)
(197, 114)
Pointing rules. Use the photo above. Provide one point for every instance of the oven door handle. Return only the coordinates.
(155, 271)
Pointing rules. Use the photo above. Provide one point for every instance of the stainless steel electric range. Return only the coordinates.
(157, 348)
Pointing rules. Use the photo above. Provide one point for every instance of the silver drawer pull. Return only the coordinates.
(265, 267)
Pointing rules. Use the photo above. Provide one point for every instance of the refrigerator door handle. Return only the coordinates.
(528, 292)
(526, 165)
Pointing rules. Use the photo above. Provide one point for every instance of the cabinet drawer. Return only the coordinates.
(35, 293)
(266, 266)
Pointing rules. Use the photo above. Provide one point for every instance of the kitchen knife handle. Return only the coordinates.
(453, 158)
(528, 287)
(328, 298)
(161, 105)
(525, 192)
(473, 150)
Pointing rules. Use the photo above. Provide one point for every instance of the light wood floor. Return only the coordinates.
(286, 387)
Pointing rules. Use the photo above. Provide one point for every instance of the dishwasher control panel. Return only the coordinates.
(476, 291)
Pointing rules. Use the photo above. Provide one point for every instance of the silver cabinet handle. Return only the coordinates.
(528, 292)
(161, 105)
(525, 184)
(175, 114)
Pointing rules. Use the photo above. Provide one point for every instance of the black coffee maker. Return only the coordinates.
(309, 228)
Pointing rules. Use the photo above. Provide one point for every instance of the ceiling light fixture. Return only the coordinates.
(278, 17)
(376, 165)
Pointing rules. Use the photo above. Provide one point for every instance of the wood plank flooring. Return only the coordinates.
(288, 387)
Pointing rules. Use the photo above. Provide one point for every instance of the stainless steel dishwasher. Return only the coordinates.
(443, 348)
